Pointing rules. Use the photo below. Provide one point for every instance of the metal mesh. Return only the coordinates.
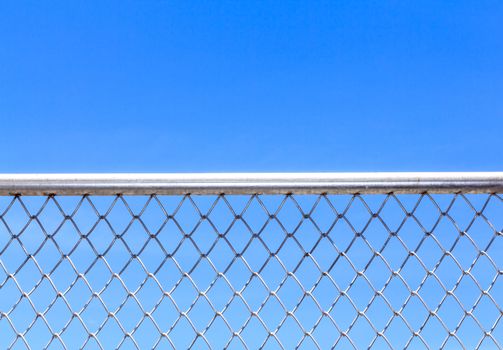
(252, 271)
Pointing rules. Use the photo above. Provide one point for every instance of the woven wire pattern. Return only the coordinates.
(252, 271)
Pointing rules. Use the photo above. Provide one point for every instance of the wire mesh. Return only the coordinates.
(252, 271)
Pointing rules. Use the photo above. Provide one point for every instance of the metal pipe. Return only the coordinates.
(250, 183)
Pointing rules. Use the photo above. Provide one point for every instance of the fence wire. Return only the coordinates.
(252, 271)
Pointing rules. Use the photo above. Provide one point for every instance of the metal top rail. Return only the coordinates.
(250, 183)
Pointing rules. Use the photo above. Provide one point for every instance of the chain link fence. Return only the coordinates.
(250, 271)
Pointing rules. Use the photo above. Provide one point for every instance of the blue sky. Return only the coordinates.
(166, 86)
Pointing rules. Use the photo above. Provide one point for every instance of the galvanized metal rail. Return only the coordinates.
(250, 183)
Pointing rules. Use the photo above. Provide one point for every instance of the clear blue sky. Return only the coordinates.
(166, 86)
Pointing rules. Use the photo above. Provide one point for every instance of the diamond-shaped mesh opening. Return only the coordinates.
(252, 271)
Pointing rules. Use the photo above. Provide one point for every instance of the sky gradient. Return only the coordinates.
(166, 86)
